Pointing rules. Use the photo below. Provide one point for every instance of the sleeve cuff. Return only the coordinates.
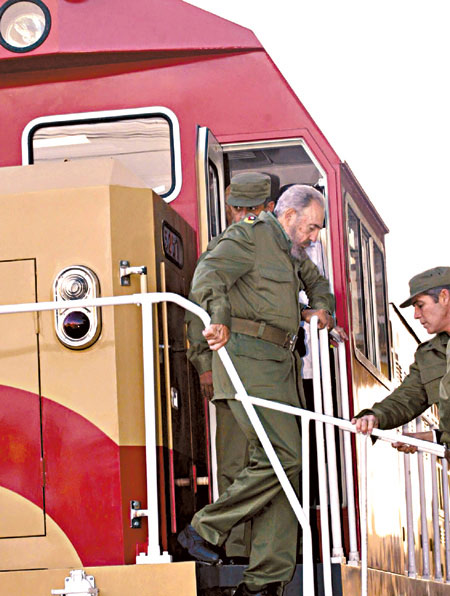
(221, 317)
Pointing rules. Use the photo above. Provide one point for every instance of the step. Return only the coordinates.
(221, 580)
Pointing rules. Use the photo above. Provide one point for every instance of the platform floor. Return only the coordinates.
(221, 581)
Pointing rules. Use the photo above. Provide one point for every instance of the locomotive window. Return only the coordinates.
(368, 294)
(214, 219)
(356, 283)
(145, 143)
(381, 313)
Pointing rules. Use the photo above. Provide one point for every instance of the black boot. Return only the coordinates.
(197, 547)
(274, 589)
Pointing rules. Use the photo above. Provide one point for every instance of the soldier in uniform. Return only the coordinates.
(231, 443)
(428, 381)
(249, 283)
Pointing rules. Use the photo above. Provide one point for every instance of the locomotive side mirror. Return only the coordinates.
(77, 328)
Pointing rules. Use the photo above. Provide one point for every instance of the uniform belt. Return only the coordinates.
(263, 331)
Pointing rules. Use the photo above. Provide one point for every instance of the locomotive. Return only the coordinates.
(122, 125)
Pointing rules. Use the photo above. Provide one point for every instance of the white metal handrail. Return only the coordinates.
(146, 301)
(154, 554)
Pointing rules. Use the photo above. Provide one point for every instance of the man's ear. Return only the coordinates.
(270, 206)
(444, 296)
(290, 214)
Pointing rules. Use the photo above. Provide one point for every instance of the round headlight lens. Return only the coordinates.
(73, 287)
(76, 325)
(24, 25)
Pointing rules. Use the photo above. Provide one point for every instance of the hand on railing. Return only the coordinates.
(338, 334)
(325, 319)
(365, 424)
(404, 448)
(216, 335)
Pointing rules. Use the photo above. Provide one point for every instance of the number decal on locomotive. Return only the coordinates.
(172, 245)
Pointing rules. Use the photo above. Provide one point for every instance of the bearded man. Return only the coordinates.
(249, 284)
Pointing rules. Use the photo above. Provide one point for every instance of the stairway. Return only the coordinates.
(222, 580)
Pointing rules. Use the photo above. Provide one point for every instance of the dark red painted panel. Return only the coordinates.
(20, 443)
(83, 490)
(83, 493)
(133, 481)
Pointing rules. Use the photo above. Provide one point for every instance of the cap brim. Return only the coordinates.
(408, 302)
(244, 202)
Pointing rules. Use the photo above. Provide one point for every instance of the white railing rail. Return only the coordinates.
(146, 301)
(154, 554)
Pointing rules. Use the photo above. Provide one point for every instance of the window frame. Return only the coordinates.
(372, 339)
(112, 115)
(325, 237)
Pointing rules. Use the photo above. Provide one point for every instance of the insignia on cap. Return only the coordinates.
(250, 219)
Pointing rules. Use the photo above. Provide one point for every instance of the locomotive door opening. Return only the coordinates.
(21, 469)
(184, 460)
(287, 162)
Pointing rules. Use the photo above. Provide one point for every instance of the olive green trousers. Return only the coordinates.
(232, 457)
(257, 495)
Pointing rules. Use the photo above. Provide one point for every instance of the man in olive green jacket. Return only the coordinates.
(249, 284)
(247, 198)
(428, 381)
(231, 443)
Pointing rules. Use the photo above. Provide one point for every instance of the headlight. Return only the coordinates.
(24, 24)
(77, 328)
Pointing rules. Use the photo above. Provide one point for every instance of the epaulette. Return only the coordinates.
(250, 219)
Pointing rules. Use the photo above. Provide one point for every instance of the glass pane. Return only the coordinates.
(356, 282)
(143, 145)
(368, 294)
(22, 24)
(214, 223)
(291, 164)
(382, 320)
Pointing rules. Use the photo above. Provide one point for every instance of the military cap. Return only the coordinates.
(421, 283)
(249, 189)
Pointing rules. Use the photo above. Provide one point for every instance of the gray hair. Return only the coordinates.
(435, 292)
(298, 197)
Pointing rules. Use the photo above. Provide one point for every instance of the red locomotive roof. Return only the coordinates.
(162, 26)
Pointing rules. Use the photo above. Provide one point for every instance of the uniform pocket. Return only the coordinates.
(431, 378)
(274, 274)
(432, 372)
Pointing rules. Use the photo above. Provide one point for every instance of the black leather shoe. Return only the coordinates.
(274, 589)
(197, 547)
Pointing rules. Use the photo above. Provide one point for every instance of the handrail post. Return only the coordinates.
(409, 516)
(353, 556)
(153, 551)
(423, 511)
(306, 484)
(435, 511)
(322, 469)
(335, 509)
(446, 518)
(363, 513)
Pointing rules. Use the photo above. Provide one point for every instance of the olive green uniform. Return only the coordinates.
(420, 389)
(251, 275)
(231, 442)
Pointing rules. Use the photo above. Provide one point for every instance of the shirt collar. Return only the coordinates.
(438, 342)
(281, 234)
